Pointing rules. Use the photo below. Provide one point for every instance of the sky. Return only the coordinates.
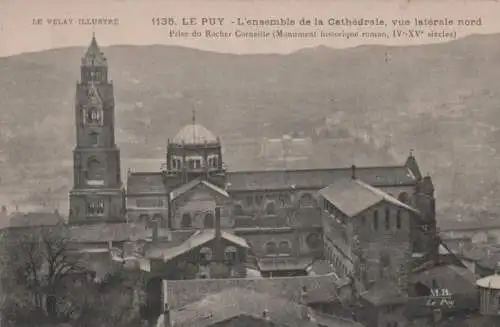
(18, 33)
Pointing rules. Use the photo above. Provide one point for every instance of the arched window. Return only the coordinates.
(94, 138)
(205, 253)
(271, 248)
(306, 201)
(270, 208)
(313, 241)
(284, 200)
(95, 208)
(157, 218)
(403, 197)
(238, 210)
(398, 220)
(284, 248)
(387, 218)
(186, 220)
(94, 116)
(375, 220)
(95, 170)
(385, 262)
(208, 222)
(230, 254)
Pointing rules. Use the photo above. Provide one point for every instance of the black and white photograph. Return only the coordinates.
(217, 165)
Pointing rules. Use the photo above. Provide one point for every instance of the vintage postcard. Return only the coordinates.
(249, 163)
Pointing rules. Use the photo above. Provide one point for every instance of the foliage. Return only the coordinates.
(47, 283)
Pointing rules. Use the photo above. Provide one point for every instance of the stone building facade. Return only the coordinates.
(97, 194)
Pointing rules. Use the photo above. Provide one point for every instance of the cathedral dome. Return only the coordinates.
(194, 134)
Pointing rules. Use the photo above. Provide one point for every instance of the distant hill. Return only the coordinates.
(442, 100)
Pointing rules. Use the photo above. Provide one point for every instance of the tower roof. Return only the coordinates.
(194, 134)
(93, 56)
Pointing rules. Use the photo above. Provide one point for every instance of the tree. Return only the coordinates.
(36, 262)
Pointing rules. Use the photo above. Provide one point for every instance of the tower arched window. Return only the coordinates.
(95, 207)
(94, 138)
(94, 116)
(208, 222)
(271, 248)
(186, 220)
(95, 171)
(270, 208)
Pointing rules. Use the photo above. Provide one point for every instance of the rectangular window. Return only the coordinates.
(387, 218)
(375, 220)
(398, 220)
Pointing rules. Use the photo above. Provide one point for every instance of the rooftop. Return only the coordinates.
(352, 196)
(317, 178)
(194, 134)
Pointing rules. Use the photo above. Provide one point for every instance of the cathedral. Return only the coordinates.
(374, 224)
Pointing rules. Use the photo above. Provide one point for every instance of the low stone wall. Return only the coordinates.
(182, 292)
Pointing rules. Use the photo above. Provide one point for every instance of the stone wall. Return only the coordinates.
(182, 292)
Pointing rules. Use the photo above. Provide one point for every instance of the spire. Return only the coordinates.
(412, 165)
(93, 56)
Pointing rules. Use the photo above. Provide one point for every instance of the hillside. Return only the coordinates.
(441, 100)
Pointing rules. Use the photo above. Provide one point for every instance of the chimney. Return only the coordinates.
(353, 171)
(218, 245)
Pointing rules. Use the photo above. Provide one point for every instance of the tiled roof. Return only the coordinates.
(316, 178)
(197, 239)
(188, 186)
(21, 219)
(284, 263)
(116, 232)
(235, 302)
(194, 134)
(457, 280)
(383, 294)
(351, 196)
(143, 183)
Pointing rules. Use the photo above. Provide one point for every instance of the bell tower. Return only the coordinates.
(97, 195)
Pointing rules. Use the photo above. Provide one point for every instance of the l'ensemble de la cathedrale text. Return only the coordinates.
(332, 21)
